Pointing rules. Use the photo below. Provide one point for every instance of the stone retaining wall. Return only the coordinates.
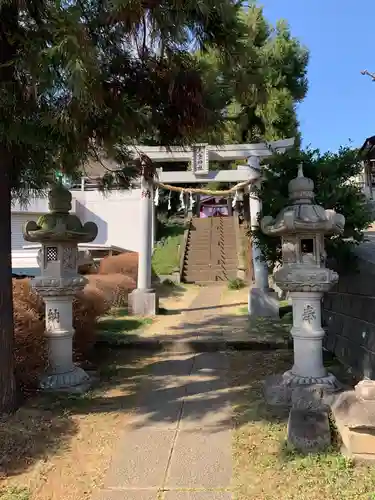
(349, 316)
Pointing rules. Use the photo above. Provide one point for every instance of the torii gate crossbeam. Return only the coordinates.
(143, 300)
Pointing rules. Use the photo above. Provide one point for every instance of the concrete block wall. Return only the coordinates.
(349, 316)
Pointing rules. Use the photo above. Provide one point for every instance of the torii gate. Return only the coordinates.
(143, 300)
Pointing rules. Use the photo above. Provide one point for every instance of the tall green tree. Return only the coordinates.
(82, 79)
(265, 86)
(257, 93)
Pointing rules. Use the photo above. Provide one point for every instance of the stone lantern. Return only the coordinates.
(59, 232)
(302, 226)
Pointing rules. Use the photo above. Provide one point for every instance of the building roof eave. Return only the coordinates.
(367, 151)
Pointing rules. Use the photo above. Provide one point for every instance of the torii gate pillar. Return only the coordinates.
(263, 301)
(143, 301)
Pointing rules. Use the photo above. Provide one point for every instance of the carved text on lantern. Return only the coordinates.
(53, 315)
(308, 314)
(145, 193)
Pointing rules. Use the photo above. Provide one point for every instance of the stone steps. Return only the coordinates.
(213, 267)
(211, 254)
(217, 240)
(205, 256)
(200, 278)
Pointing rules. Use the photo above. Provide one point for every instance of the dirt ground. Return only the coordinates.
(233, 300)
(173, 305)
(60, 448)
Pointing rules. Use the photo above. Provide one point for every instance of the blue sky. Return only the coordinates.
(340, 105)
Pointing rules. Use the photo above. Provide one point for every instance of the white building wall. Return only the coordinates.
(116, 214)
(363, 181)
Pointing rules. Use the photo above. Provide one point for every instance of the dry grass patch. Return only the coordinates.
(59, 447)
(265, 468)
(233, 298)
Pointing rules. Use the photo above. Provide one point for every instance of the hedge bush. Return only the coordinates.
(100, 294)
(125, 263)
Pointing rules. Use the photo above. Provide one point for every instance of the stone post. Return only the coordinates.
(62, 373)
(262, 301)
(154, 221)
(307, 333)
(143, 301)
(260, 267)
(59, 232)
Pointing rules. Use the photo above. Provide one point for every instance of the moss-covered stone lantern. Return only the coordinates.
(59, 232)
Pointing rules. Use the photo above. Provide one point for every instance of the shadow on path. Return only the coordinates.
(163, 389)
(208, 308)
(190, 390)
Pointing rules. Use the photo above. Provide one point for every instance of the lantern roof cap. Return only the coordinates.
(302, 214)
(301, 188)
(59, 225)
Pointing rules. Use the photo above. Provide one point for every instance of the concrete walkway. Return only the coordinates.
(177, 445)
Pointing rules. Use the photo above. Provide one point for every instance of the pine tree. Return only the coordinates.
(82, 79)
(264, 86)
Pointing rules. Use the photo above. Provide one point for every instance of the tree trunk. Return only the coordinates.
(8, 81)
(8, 393)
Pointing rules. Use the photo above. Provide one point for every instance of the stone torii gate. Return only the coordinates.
(144, 301)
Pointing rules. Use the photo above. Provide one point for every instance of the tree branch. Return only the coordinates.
(367, 73)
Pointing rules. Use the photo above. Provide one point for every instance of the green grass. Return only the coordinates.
(119, 323)
(236, 284)
(265, 466)
(170, 228)
(282, 303)
(166, 256)
(15, 494)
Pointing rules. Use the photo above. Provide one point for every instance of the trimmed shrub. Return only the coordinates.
(114, 288)
(30, 346)
(24, 296)
(125, 263)
(88, 306)
(100, 294)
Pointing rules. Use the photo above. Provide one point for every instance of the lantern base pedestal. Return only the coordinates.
(263, 303)
(291, 390)
(75, 381)
(143, 302)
